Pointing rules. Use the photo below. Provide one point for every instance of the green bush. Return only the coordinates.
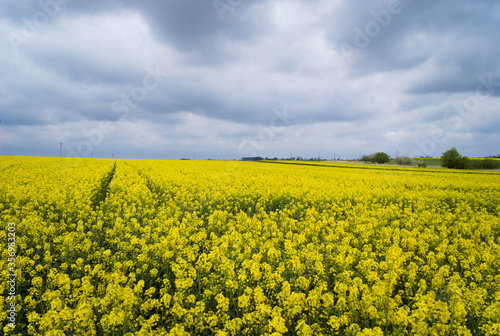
(484, 164)
(451, 159)
(464, 163)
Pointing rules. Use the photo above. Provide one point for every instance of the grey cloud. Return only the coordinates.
(227, 76)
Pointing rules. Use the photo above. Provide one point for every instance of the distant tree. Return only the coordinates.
(421, 163)
(252, 158)
(367, 158)
(404, 161)
(381, 157)
(451, 159)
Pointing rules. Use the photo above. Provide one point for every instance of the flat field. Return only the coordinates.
(129, 247)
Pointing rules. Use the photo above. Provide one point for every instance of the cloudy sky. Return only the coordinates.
(230, 78)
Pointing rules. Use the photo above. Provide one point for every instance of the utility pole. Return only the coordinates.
(397, 152)
(60, 150)
(91, 155)
(113, 155)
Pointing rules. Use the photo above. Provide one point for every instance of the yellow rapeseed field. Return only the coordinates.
(129, 247)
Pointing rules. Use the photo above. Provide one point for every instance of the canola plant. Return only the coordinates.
(129, 247)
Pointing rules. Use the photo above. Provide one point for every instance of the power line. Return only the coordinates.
(60, 150)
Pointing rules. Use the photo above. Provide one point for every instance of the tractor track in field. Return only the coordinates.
(99, 195)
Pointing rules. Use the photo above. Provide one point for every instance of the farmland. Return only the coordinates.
(129, 247)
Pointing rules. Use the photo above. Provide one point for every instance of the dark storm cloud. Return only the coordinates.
(200, 28)
(401, 34)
